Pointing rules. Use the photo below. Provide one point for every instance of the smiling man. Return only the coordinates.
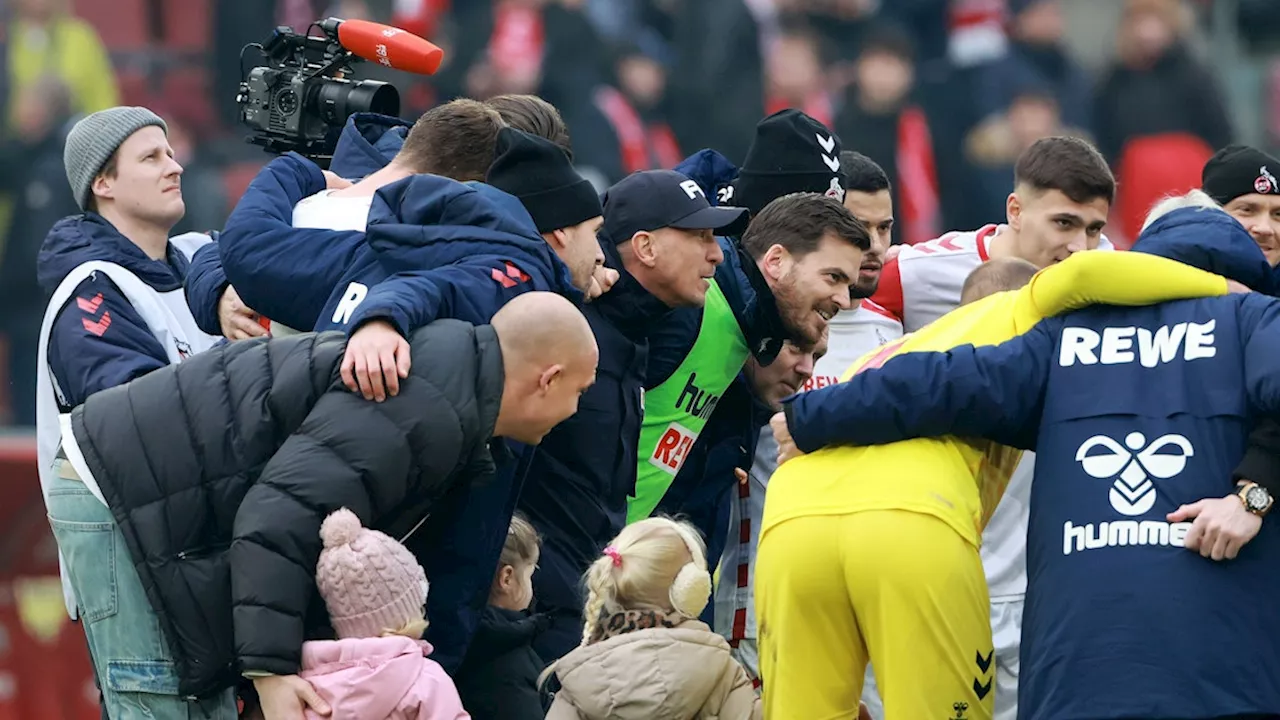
(783, 279)
(866, 325)
(1242, 180)
(805, 250)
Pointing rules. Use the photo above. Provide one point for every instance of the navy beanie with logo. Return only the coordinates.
(1238, 170)
(541, 176)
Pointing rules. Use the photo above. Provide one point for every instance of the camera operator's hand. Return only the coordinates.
(377, 358)
(238, 321)
(333, 182)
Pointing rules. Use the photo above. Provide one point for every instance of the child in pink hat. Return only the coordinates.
(378, 668)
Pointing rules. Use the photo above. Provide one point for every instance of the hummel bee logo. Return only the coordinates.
(960, 709)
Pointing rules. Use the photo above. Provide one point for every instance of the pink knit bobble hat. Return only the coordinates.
(369, 582)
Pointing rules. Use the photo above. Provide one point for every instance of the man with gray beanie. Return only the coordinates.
(116, 312)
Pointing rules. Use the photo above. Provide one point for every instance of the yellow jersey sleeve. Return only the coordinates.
(1112, 278)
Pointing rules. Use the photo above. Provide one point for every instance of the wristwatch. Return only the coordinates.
(1256, 499)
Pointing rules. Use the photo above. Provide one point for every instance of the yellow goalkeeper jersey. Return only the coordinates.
(960, 481)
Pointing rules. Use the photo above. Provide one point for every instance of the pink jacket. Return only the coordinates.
(387, 678)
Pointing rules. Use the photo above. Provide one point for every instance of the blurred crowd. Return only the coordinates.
(943, 94)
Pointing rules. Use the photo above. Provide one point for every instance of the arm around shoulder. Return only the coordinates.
(992, 392)
(1118, 278)
(261, 250)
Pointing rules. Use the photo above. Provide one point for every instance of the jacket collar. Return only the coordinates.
(489, 383)
(751, 300)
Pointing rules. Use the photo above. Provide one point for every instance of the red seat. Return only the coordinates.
(236, 179)
(1151, 168)
(188, 24)
(122, 24)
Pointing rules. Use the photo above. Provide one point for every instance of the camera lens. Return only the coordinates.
(375, 97)
(339, 99)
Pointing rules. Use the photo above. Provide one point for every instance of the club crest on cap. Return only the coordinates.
(1266, 182)
(835, 191)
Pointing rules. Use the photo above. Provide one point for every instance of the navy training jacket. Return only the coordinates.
(264, 253)
(1132, 412)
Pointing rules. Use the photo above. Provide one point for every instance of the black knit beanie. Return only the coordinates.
(1238, 170)
(540, 175)
(791, 153)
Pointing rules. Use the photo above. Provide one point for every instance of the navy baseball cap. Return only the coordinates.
(655, 199)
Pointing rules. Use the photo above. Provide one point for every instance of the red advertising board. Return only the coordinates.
(44, 662)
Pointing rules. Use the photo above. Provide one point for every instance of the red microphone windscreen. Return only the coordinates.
(390, 46)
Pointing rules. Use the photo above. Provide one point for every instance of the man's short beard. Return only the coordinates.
(794, 319)
(862, 290)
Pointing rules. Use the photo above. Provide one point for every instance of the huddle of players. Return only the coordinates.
(1062, 196)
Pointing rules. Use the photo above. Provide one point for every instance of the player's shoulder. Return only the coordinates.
(870, 311)
(956, 247)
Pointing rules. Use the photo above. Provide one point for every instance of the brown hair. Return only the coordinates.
(799, 221)
(455, 140)
(108, 170)
(532, 114)
(1067, 164)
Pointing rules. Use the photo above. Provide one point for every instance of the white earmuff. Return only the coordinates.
(691, 590)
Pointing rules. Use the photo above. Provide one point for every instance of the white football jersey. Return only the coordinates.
(853, 333)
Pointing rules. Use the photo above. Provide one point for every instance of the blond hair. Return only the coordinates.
(522, 545)
(638, 570)
(1193, 199)
(412, 629)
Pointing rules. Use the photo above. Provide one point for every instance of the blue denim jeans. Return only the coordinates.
(130, 655)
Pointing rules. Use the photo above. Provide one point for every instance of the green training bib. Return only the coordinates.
(676, 411)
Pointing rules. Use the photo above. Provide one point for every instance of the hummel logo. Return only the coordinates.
(1132, 492)
(984, 664)
(828, 145)
(99, 328)
(514, 276)
(90, 306)
(982, 690)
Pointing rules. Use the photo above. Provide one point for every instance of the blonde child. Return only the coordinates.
(498, 679)
(378, 668)
(643, 654)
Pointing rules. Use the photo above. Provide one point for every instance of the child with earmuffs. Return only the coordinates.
(643, 652)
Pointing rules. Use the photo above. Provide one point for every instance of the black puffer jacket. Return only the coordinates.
(220, 470)
(498, 679)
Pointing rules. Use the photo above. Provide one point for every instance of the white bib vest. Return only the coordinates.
(166, 315)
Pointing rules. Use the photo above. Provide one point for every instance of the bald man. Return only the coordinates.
(996, 275)
(216, 474)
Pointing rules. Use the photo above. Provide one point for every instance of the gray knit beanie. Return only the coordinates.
(92, 141)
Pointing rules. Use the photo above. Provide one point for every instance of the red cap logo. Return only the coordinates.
(1265, 182)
